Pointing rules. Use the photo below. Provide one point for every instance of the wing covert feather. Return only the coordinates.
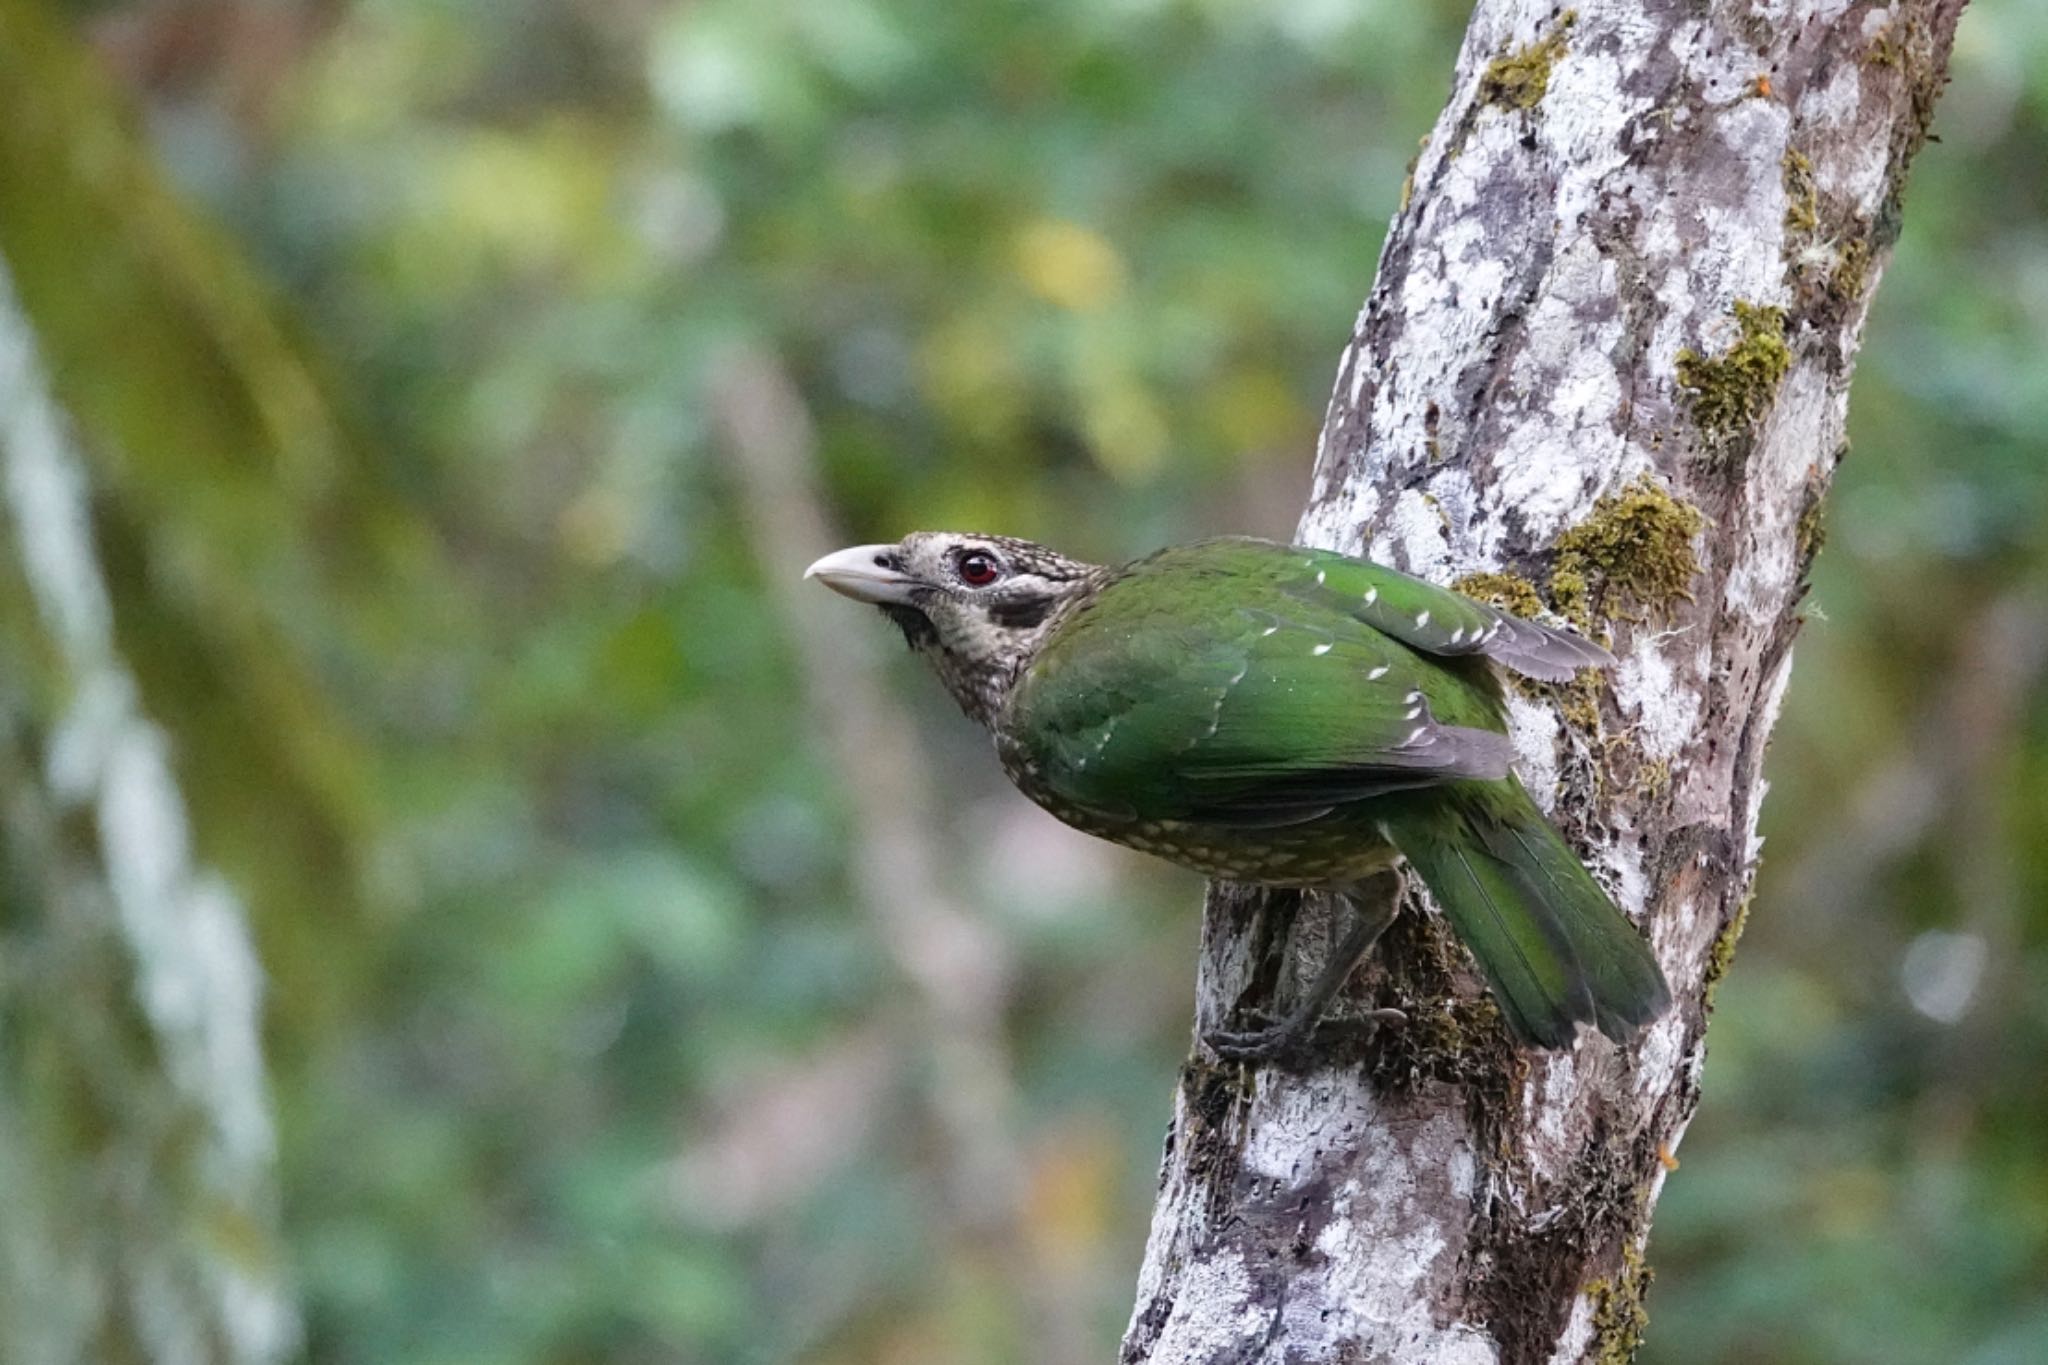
(1257, 714)
(1438, 621)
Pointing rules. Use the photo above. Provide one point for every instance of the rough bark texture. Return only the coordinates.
(1604, 370)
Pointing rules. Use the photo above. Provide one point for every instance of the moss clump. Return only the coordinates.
(1619, 1316)
(1724, 952)
(1510, 592)
(1632, 557)
(1852, 267)
(1812, 531)
(1449, 1037)
(1519, 79)
(1802, 194)
(1578, 701)
(1730, 391)
(1653, 778)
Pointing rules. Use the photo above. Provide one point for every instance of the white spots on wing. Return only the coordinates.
(1324, 648)
(1268, 630)
(1458, 636)
(1377, 673)
(1421, 619)
(1216, 711)
(1415, 737)
(1320, 576)
(1372, 595)
(1416, 704)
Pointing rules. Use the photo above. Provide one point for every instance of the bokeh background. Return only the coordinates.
(657, 969)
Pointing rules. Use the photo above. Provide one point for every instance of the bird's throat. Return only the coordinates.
(918, 631)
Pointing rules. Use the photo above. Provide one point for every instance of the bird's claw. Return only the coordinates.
(1293, 1039)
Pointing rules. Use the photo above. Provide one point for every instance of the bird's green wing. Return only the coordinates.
(1432, 619)
(1176, 698)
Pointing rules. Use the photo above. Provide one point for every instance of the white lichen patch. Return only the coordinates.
(1212, 1310)
(1665, 710)
(1577, 1336)
(1549, 1103)
(1586, 109)
(1416, 538)
(1336, 519)
(1367, 1297)
(1533, 727)
(1660, 1054)
(1285, 1130)
(1807, 419)
(1855, 172)
(1618, 865)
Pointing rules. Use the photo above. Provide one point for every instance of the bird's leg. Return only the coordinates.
(1373, 907)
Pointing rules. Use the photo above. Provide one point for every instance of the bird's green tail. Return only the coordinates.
(1554, 948)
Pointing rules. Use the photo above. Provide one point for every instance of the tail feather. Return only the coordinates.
(1553, 947)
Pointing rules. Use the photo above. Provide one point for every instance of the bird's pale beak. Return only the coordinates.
(866, 573)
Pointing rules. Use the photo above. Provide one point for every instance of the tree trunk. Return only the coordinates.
(174, 492)
(136, 1148)
(1604, 371)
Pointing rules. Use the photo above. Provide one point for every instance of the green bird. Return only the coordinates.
(1284, 716)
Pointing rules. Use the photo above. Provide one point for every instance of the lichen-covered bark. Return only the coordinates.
(174, 492)
(136, 1147)
(1605, 368)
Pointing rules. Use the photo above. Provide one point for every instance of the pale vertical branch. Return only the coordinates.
(162, 1227)
(957, 965)
(1639, 252)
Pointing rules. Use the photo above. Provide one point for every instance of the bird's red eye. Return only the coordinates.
(977, 568)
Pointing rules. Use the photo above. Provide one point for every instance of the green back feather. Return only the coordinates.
(1202, 684)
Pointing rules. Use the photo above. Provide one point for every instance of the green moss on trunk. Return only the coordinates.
(1619, 1316)
(1802, 194)
(1632, 558)
(1732, 390)
(1724, 952)
(1519, 79)
(1509, 592)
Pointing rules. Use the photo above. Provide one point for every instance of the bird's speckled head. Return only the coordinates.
(977, 607)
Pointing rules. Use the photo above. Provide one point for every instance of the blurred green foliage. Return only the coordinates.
(584, 1045)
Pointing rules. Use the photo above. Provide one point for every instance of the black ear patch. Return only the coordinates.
(1021, 613)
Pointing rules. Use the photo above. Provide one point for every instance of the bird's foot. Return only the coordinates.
(1295, 1039)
